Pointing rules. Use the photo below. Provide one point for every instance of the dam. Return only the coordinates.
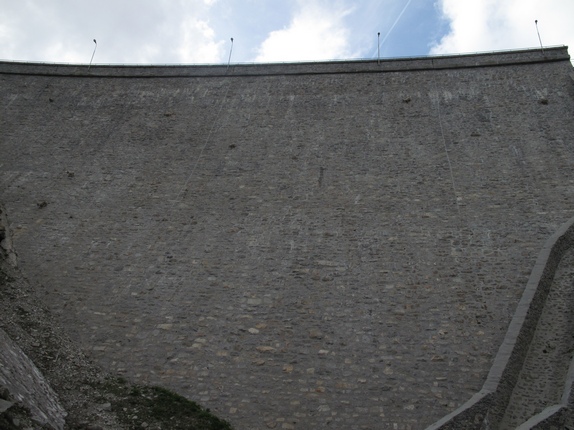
(313, 245)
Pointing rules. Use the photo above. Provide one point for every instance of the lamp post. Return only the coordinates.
(93, 53)
(539, 39)
(230, 51)
(378, 48)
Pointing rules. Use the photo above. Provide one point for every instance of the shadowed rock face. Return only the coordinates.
(7, 252)
(26, 384)
(293, 251)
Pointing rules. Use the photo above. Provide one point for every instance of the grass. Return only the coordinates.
(158, 408)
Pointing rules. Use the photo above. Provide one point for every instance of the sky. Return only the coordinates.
(201, 31)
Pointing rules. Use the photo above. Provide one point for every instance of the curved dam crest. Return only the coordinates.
(331, 245)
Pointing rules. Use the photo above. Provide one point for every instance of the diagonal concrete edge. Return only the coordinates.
(487, 407)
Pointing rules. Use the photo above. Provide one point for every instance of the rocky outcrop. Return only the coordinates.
(25, 384)
(21, 383)
(7, 252)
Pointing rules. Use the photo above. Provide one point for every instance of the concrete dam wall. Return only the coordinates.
(323, 245)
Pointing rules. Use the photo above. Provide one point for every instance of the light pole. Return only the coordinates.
(539, 39)
(93, 53)
(378, 48)
(230, 51)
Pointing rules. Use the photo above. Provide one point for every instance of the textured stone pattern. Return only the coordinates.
(512, 393)
(543, 374)
(471, 415)
(527, 319)
(339, 250)
(26, 385)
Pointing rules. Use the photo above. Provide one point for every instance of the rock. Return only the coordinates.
(26, 382)
(105, 407)
(5, 405)
(6, 249)
(315, 334)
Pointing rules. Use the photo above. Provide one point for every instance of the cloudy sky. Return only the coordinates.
(200, 31)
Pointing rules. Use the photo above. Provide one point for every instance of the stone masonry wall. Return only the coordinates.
(487, 408)
(292, 250)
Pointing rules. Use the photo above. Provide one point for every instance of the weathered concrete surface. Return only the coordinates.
(300, 251)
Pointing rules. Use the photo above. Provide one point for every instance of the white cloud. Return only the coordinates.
(199, 31)
(316, 32)
(147, 31)
(199, 44)
(485, 25)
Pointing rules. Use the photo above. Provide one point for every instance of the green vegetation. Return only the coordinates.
(138, 407)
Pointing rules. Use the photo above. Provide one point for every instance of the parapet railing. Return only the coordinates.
(489, 59)
(487, 407)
